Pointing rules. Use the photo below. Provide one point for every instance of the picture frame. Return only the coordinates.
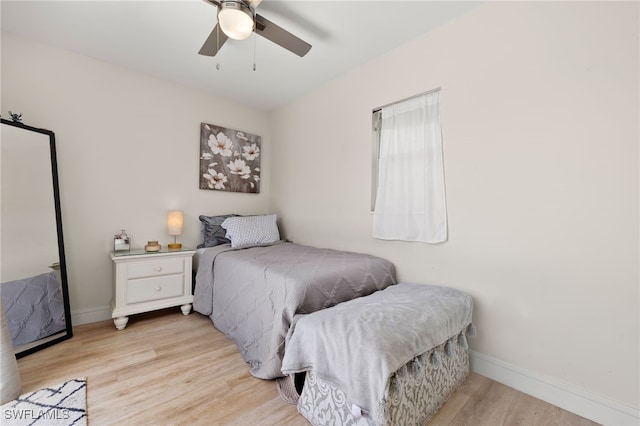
(229, 159)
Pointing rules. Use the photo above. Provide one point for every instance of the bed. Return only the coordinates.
(251, 284)
(361, 349)
(391, 358)
(34, 307)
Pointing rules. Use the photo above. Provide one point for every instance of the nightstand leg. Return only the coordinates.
(186, 309)
(121, 322)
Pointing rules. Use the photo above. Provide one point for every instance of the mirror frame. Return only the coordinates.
(67, 333)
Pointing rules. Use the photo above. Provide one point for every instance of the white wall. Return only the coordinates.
(540, 119)
(128, 151)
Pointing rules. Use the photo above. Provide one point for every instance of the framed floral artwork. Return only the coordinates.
(229, 159)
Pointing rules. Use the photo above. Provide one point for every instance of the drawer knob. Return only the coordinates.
(158, 268)
(158, 288)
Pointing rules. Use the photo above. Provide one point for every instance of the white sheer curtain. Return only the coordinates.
(410, 201)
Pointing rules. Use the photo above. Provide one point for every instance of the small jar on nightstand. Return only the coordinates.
(146, 281)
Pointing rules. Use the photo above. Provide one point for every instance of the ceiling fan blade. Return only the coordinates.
(281, 37)
(214, 42)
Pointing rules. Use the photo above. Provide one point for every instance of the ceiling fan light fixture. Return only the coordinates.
(235, 19)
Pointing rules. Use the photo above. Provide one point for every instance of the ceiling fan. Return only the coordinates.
(237, 19)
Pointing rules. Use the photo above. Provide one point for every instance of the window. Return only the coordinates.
(408, 194)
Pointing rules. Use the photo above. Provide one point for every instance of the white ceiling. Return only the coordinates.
(162, 38)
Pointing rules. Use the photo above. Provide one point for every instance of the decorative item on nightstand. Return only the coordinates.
(121, 241)
(152, 246)
(175, 219)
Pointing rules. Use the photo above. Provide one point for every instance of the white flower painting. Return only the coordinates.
(229, 159)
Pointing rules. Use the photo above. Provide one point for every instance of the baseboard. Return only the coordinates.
(87, 316)
(568, 397)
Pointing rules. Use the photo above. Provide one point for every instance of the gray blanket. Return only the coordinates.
(357, 345)
(34, 307)
(252, 294)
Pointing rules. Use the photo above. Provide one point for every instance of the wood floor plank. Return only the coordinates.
(165, 368)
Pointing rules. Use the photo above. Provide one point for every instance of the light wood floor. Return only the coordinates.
(170, 369)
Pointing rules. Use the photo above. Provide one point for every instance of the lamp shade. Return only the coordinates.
(175, 218)
(235, 19)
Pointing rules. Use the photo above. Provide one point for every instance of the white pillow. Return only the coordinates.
(251, 230)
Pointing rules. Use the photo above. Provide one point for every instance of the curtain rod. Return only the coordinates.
(408, 98)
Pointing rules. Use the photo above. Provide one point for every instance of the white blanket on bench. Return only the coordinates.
(357, 345)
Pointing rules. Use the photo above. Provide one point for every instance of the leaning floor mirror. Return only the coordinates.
(33, 274)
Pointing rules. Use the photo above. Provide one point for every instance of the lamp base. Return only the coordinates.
(174, 246)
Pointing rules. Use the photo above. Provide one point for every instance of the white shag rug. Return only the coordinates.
(61, 405)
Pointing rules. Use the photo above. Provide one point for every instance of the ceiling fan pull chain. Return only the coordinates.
(255, 35)
(218, 44)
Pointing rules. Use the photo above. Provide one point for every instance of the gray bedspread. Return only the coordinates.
(34, 307)
(252, 294)
(357, 345)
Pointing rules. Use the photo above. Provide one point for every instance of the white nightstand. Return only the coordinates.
(145, 282)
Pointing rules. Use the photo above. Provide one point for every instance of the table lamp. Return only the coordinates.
(175, 219)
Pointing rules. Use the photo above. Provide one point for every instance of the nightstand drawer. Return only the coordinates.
(146, 289)
(154, 268)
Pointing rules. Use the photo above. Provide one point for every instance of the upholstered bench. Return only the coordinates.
(391, 358)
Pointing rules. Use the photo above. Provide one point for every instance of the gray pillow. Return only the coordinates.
(252, 230)
(211, 233)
